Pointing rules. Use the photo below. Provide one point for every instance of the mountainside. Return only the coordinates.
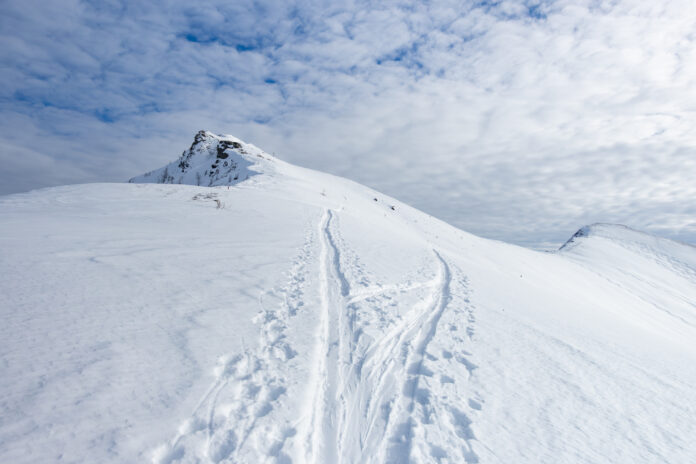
(270, 313)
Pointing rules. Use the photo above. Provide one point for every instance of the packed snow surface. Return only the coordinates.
(269, 313)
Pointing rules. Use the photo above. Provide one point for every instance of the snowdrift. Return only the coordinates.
(231, 307)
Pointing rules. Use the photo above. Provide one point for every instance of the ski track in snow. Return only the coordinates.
(350, 418)
(369, 398)
(322, 434)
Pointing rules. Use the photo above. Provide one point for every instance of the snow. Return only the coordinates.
(294, 316)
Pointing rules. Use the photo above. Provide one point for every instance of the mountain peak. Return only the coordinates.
(210, 161)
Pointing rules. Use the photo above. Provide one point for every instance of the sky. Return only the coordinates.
(515, 120)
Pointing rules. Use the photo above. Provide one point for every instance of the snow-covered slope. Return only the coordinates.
(298, 317)
(659, 271)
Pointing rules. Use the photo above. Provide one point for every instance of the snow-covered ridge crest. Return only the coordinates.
(613, 230)
(622, 234)
(613, 248)
(210, 161)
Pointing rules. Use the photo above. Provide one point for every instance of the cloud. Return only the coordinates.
(516, 120)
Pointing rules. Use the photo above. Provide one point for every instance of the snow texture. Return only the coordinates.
(261, 312)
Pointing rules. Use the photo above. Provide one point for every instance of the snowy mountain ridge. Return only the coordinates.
(622, 233)
(294, 316)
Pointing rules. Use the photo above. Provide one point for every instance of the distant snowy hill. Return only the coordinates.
(262, 312)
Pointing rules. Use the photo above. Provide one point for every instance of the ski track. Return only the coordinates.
(370, 399)
(421, 333)
(371, 394)
(322, 434)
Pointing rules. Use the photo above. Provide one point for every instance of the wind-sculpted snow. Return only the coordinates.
(299, 317)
